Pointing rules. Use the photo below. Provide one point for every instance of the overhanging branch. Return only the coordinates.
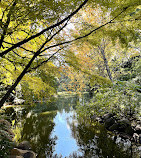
(86, 35)
(45, 61)
(44, 30)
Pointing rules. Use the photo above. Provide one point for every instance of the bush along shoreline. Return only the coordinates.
(117, 107)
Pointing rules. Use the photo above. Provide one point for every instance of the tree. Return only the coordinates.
(31, 34)
(117, 33)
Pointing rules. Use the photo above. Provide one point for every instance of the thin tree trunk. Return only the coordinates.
(106, 64)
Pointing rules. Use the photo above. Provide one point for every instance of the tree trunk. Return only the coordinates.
(17, 81)
(106, 64)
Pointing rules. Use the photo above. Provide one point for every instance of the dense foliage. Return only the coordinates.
(123, 98)
(68, 45)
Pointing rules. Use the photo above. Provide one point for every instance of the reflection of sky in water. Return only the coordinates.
(65, 143)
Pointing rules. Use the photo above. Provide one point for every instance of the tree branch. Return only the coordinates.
(20, 47)
(45, 61)
(86, 35)
(27, 67)
(44, 30)
(5, 27)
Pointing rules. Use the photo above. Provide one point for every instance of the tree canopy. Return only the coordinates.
(34, 32)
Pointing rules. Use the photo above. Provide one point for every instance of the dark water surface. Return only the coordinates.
(57, 133)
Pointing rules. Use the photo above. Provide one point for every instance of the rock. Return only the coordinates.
(124, 136)
(16, 152)
(25, 145)
(140, 138)
(139, 122)
(109, 122)
(129, 130)
(16, 156)
(107, 116)
(28, 155)
(124, 121)
(99, 119)
(136, 137)
(123, 124)
(121, 128)
(138, 129)
(114, 127)
(23, 153)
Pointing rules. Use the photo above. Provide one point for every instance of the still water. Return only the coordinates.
(56, 132)
(65, 143)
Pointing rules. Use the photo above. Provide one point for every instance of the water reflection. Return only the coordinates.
(55, 134)
(37, 130)
(65, 143)
(94, 141)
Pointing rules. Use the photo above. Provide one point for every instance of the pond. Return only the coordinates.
(58, 133)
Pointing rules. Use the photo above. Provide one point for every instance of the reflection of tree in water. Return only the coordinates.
(71, 101)
(37, 130)
(66, 103)
(94, 142)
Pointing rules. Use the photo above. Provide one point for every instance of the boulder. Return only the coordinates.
(125, 136)
(129, 130)
(23, 153)
(25, 145)
(137, 138)
(138, 129)
(123, 124)
(140, 138)
(16, 156)
(98, 119)
(29, 155)
(114, 127)
(109, 122)
(107, 116)
(16, 152)
(124, 121)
